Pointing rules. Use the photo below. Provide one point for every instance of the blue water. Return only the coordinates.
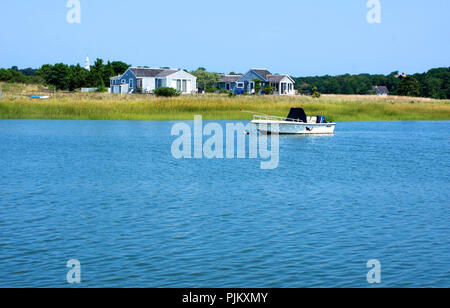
(111, 195)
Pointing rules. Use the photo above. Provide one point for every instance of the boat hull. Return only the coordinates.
(294, 128)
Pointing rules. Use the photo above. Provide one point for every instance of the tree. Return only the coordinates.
(28, 71)
(13, 76)
(205, 79)
(44, 72)
(432, 87)
(107, 73)
(119, 67)
(77, 78)
(96, 74)
(257, 86)
(409, 86)
(60, 76)
(315, 93)
(55, 75)
(64, 77)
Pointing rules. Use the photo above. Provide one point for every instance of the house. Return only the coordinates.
(381, 90)
(403, 75)
(281, 84)
(146, 80)
(228, 82)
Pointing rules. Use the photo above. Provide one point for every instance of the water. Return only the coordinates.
(110, 195)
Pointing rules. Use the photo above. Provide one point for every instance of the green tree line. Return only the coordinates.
(435, 84)
(67, 77)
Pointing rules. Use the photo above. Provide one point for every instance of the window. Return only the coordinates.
(228, 86)
(123, 81)
(159, 83)
(240, 85)
(131, 83)
(178, 84)
(184, 86)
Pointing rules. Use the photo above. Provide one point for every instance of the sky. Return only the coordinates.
(296, 37)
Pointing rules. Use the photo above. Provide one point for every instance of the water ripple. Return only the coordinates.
(110, 195)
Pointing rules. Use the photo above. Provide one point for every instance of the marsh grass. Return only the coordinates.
(16, 104)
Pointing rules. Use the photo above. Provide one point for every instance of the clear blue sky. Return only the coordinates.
(297, 37)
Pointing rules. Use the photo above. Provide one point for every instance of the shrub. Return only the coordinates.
(316, 93)
(257, 86)
(167, 92)
(269, 90)
(209, 89)
(102, 88)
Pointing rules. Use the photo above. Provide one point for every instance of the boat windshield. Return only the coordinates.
(297, 115)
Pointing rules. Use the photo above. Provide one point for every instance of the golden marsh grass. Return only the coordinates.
(16, 104)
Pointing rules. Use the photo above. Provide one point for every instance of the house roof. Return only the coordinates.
(261, 72)
(152, 72)
(381, 90)
(276, 78)
(166, 73)
(230, 78)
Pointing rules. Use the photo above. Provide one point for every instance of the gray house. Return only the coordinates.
(282, 84)
(381, 90)
(228, 82)
(146, 80)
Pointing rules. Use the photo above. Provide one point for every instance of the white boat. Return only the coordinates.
(296, 123)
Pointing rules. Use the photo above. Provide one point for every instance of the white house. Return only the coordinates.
(146, 80)
(381, 90)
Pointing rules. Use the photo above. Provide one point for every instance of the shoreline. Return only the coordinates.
(8, 112)
(204, 119)
(17, 105)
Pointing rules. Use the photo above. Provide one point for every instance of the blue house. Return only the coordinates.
(146, 80)
(229, 82)
(282, 84)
